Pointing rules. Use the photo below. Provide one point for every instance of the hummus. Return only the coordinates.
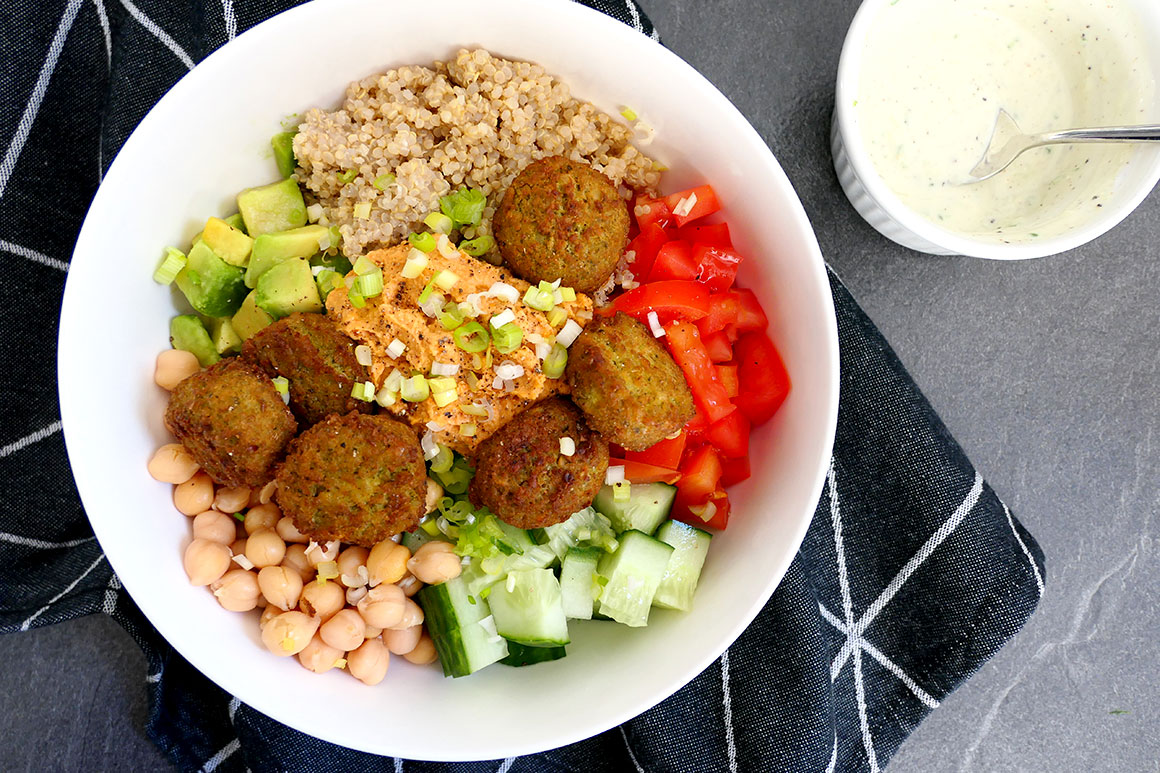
(396, 315)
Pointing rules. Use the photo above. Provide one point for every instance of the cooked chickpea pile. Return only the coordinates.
(333, 606)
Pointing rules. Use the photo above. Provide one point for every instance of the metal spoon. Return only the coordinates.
(1008, 142)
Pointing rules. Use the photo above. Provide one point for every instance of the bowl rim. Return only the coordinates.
(849, 71)
(70, 321)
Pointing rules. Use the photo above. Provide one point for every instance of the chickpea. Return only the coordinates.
(174, 366)
(238, 547)
(288, 633)
(266, 493)
(172, 464)
(322, 599)
(402, 640)
(423, 653)
(412, 615)
(387, 563)
(369, 663)
(268, 614)
(345, 631)
(215, 527)
(350, 561)
(237, 590)
(373, 632)
(289, 532)
(355, 595)
(265, 548)
(318, 656)
(195, 495)
(262, 517)
(410, 584)
(281, 586)
(295, 559)
(231, 499)
(434, 494)
(383, 606)
(435, 562)
(319, 553)
(206, 561)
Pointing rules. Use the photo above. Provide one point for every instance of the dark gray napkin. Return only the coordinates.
(911, 576)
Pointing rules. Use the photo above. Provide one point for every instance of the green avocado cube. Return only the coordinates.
(225, 338)
(236, 221)
(283, 144)
(271, 249)
(274, 207)
(212, 286)
(187, 333)
(249, 319)
(286, 288)
(230, 244)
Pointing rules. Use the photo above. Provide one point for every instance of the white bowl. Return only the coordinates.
(208, 138)
(881, 208)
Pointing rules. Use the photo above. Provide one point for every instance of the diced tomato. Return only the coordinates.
(716, 266)
(674, 261)
(639, 472)
(715, 235)
(728, 375)
(706, 203)
(720, 517)
(690, 353)
(762, 378)
(750, 315)
(672, 299)
(666, 453)
(645, 247)
(700, 474)
(723, 311)
(695, 429)
(734, 471)
(719, 346)
(651, 211)
(730, 435)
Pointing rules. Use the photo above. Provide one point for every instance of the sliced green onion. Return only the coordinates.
(445, 247)
(568, 294)
(394, 381)
(465, 206)
(451, 316)
(507, 338)
(444, 399)
(471, 337)
(621, 491)
(347, 176)
(628, 113)
(240, 516)
(426, 294)
(539, 300)
(474, 409)
(170, 267)
(416, 262)
(369, 285)
(445, 280)
(439, 223)
(364, 265)
(423, 241)
(441, 384)
(282, 387)
(362, 210)
(431, 526)
(383, 180)
(557, 317)
(443, 459)
(478, 246)
(468, 429)
(415, 389)
(356, 299)
(327, 280)
(501, 319)
(386, 397)
(555, 362)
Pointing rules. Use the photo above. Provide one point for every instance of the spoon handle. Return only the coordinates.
(1145, 133)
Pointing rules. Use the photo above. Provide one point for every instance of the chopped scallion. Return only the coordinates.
(364, 265)
(478, 246)
(384, 180)
(555, 362)
(445, 280)
(347, 176)
(439, 223)
(539, 300)
(557, 317)
(441, 384)
(621, 491)
(416, 262)
(369, 285)
(471, 337)
(443, 459)
(507, 338)
(464, 206)
(451, 316)
(415, 389)
(356, 299)
(362, 210)
(503, 318)
(170, 267)
(568, 294)
(423, 241)
(444, 399)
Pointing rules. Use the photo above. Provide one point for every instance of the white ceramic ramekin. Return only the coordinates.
(882, 209)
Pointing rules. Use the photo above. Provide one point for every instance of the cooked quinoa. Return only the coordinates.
(476, 121)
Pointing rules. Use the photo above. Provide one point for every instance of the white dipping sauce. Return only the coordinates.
(935, 73)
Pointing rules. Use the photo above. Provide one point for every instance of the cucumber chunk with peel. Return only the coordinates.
(528, 608)
(679, 583)
(634, 573)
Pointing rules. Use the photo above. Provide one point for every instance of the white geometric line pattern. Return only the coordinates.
(29, 542)
(727, 706)
(398, 764)
(506, 765)
(631, 755)
(635, 15)
(231, 19)
(212, 763)
(28, 623)
(110, 604)
(104, 19)
(33, 255)
(158, 33)
(27, 440)
(1026, 552)
(38, 90)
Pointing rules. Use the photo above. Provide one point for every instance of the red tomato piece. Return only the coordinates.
(716, 506)
(639, 472)
(716, 266)
(730, 435)
(750, 315)
(700, 474)
(715, 235)
(719, 346)
(650, 211)
(690, 353)
(727, 372)
(705, 203)
(762, 378)
(667, 453)
(671, 299)
(734, 471)
(723, 311)
(645, 247)
(674, 261)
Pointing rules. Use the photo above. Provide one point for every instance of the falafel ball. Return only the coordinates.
(560, 219)
(318, 360)
(627, 384)
(523, 478)
(357, 478)
(232, 420)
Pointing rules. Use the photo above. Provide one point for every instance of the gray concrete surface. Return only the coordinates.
(1046, 371)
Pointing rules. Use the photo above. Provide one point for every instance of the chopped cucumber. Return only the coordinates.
(225, 338)
(647, 506)
(189, 334)
(283, 144)
(286, 288)
(528, 554)
(634, 573)
(520, 655)
(578, 584)
(461, 627)
(212, 286)
(227, 242)
(274, 207)
(413, 540)
(271, 249)
(585, 526)
(528, 608)
(249, 319)
(679, 583)
(450, 604)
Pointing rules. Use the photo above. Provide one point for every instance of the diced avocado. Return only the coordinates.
(274, 207)
(286, 288)
(236, 221)
(187, 333)
(224, 337)
(249, 319)
(283, 144)
(271, 249)
(230, 244)
(214, 288)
